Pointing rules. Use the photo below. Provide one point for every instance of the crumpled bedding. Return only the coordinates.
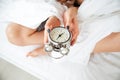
(73, 66)
(96, 21)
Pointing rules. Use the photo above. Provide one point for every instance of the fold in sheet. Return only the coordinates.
(96, 21)
(93, 28)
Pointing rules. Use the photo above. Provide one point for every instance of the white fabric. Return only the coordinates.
(96, 22)
(58, 10)
(30, 13)
(104, 66)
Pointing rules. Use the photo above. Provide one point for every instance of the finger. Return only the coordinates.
(45, 37)
(46, 33)
(64, 19)
(67, 19)
(74, 37)
(73, 42)
(68, 22)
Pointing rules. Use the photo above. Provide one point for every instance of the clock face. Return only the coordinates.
(60, 35)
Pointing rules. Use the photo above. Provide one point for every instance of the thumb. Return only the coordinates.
(68, 20)
(46, 33)
(45, 37)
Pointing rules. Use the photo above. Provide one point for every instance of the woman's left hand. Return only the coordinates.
(52, 22)
(70, 19)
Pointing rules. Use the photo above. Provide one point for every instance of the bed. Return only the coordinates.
(44, 67)
(15, 54)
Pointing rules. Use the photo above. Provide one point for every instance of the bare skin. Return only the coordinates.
(37, 52)
(28, 36)
(70, 19)
(111, 43)
(23, 36)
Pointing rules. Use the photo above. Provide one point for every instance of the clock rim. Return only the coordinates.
(60, 42)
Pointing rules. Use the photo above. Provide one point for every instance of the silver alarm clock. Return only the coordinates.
(58, 42)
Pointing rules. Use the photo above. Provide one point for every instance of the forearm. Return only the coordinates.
(109, 44)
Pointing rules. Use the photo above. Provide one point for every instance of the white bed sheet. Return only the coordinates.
(17, 56)
(44, 68)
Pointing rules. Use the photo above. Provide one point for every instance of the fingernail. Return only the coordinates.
(68, 27)
(48, 30)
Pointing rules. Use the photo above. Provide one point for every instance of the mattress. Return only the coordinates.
(17, 56)
(42, 67)
(39, 66)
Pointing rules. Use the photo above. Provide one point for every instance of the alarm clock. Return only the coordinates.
(59, 39)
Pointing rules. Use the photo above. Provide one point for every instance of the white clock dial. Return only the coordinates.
(60, 35)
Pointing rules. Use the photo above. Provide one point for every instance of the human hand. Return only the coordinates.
(50, 24)
(70, 19)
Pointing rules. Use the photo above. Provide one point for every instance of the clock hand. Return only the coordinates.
(60, 35)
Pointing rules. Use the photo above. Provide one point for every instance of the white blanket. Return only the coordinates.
(97, 19)
(93, 28)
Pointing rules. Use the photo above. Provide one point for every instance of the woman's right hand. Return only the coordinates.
(70, 19)
(52, 22)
